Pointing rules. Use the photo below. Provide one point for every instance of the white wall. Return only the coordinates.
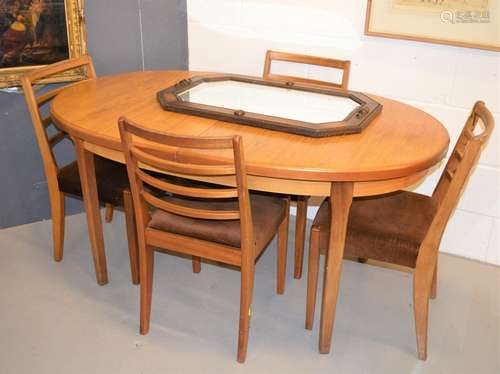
(233, 35)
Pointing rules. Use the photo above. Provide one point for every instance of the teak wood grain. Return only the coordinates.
(401, 141)
(149, 237)
(46, 143)
(394, 152)
(52, 169)
(345, 66)
(446, 195)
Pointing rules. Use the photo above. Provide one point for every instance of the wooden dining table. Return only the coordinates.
(394, 152)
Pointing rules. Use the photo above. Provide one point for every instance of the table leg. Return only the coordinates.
(86, 168)
(340, 203)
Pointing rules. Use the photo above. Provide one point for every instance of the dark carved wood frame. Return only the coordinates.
(355, 121)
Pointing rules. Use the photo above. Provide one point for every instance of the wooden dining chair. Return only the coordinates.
(344, 66)
(405, 228)
(112, 180)
(228, 225)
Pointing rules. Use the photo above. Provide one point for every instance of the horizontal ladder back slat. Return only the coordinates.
(209, 193)
(57, 138)
(343, 65)
(449, 174)
(459, 155)
(62, 66)
(42, 99)
(467, 135)
(310, 60)
(47, 121)
(305, 80)
(219, 215)
(180, 141)
(181, 168)
(174, 141)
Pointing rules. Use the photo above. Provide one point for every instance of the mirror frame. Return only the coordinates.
(355, 121)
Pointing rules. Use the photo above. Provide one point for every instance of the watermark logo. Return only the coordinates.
(465, 16)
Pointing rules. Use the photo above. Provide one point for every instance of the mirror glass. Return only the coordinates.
(271, 101)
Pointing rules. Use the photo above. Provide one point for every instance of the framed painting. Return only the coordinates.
(34, 33)
(463, 23)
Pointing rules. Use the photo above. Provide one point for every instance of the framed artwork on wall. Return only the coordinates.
(463, 23)
(34, 33)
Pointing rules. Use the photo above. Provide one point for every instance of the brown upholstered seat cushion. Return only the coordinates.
(267, 213)
(111, 179)
(388, 228)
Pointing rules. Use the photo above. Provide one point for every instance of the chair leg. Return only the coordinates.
(247, 280)
(421, 293)
(196, 264)
(86, 168)
(58, 219)
(146, 275)
(300, 234)
(133, 248)
(108, 215)
(434, 283)
(312, 278)
(282, 252)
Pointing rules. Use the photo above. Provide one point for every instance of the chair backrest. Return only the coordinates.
(41, 123)
(475, 134)
(271, 56)
(187, 157)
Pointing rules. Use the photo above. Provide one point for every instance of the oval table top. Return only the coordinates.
(392, 152)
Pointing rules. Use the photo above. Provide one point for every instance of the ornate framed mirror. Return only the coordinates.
(282, 106)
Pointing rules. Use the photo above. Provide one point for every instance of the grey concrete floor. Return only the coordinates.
(54, 318)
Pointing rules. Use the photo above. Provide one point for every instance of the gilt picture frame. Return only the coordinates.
(36, 33)
(462, 23)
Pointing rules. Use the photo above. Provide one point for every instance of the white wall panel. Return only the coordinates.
(481, 194)
(467, 235)
(477, 78)
(493, 253)
(218, 12)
